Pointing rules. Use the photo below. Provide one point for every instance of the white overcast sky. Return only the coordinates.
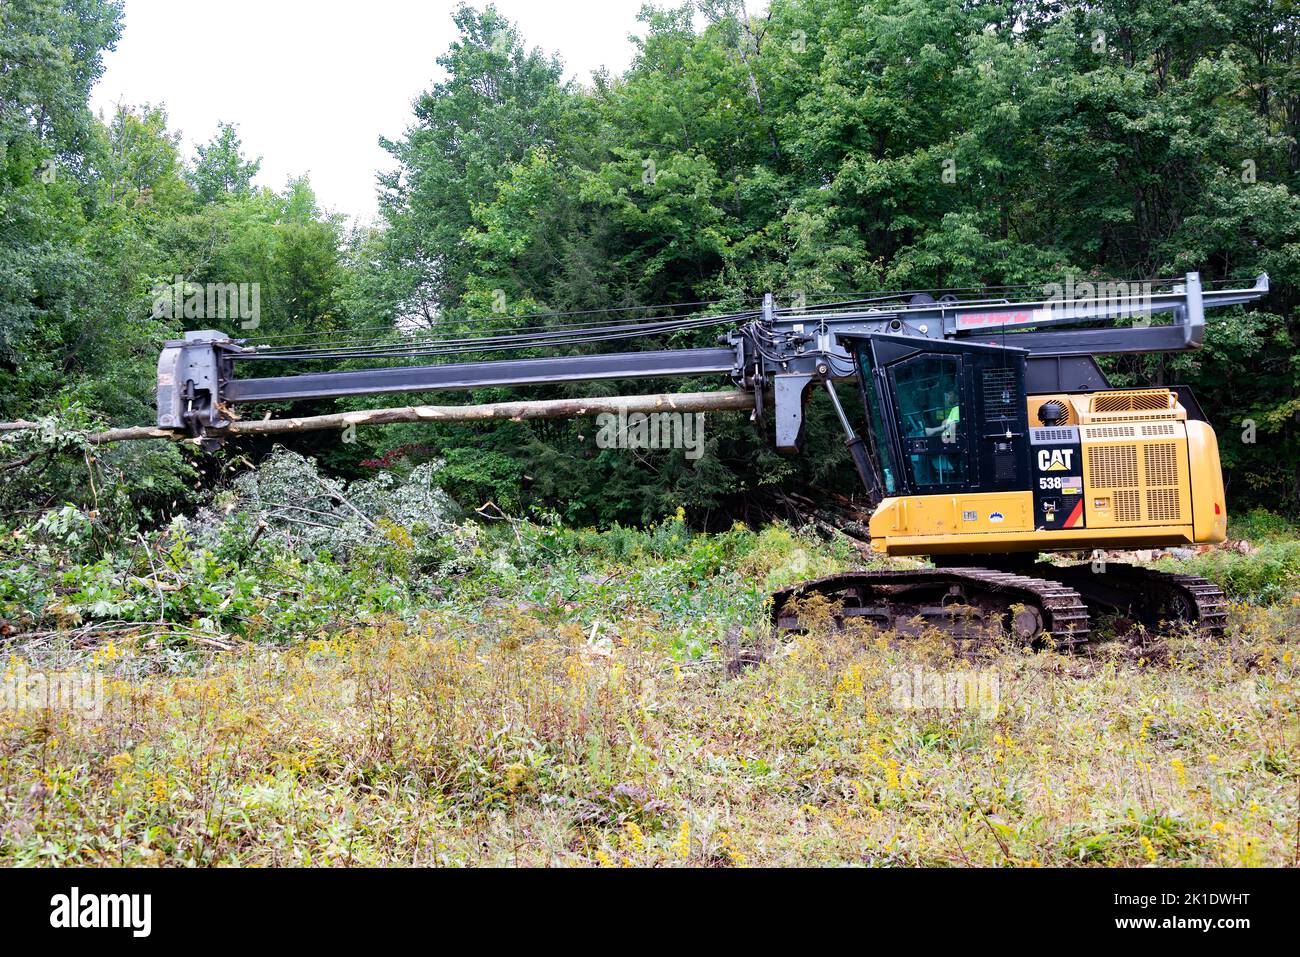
(313, 84)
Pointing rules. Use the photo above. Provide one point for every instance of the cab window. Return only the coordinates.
(931, 419)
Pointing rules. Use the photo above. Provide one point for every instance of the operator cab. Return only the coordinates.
(945, 417)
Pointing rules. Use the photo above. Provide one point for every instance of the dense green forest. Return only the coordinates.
(816, 147)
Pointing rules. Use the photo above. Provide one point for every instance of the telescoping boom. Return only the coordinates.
(776, 352)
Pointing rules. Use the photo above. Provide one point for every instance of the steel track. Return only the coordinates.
(1153, 597)
(1056, 604)
(966, 602)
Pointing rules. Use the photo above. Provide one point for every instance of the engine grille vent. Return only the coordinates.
(1113, 466)
(1162, 505)
(1128, 505)
(1159, 429)
(1043, 436)
(1127, 417)
(1149, 494)
(1144, 400)
(1110, 432)
(1162, 464)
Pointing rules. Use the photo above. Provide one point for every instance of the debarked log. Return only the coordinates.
(683, 402)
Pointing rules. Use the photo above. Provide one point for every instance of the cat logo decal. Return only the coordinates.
(1055, 460)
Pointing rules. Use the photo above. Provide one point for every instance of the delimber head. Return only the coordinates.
(189, 382)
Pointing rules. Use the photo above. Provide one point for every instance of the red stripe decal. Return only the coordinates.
(973, 319)
(1075, 514)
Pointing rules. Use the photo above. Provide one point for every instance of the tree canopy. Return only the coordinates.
(813, 147)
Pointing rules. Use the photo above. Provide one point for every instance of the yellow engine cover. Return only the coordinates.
(1150, 478)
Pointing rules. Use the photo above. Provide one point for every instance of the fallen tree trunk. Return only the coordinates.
(685, 402)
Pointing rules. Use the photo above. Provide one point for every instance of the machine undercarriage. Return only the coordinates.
(1036, 603)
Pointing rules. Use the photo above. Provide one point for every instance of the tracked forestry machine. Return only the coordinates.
(988, 434)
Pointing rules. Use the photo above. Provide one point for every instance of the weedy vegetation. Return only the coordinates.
(313, 673)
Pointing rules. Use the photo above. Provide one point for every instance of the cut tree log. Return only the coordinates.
(685, 402)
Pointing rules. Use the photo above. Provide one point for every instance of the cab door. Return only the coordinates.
(955, 414)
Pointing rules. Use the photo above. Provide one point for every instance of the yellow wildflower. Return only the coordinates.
(682, 846)
(634, 836)
(1149, 848)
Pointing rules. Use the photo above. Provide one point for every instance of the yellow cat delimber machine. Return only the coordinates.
(986, 450)
(989, 433)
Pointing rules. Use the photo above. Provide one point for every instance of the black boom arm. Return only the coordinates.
(776, 351)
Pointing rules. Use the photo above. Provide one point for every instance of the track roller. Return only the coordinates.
(961, 602)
